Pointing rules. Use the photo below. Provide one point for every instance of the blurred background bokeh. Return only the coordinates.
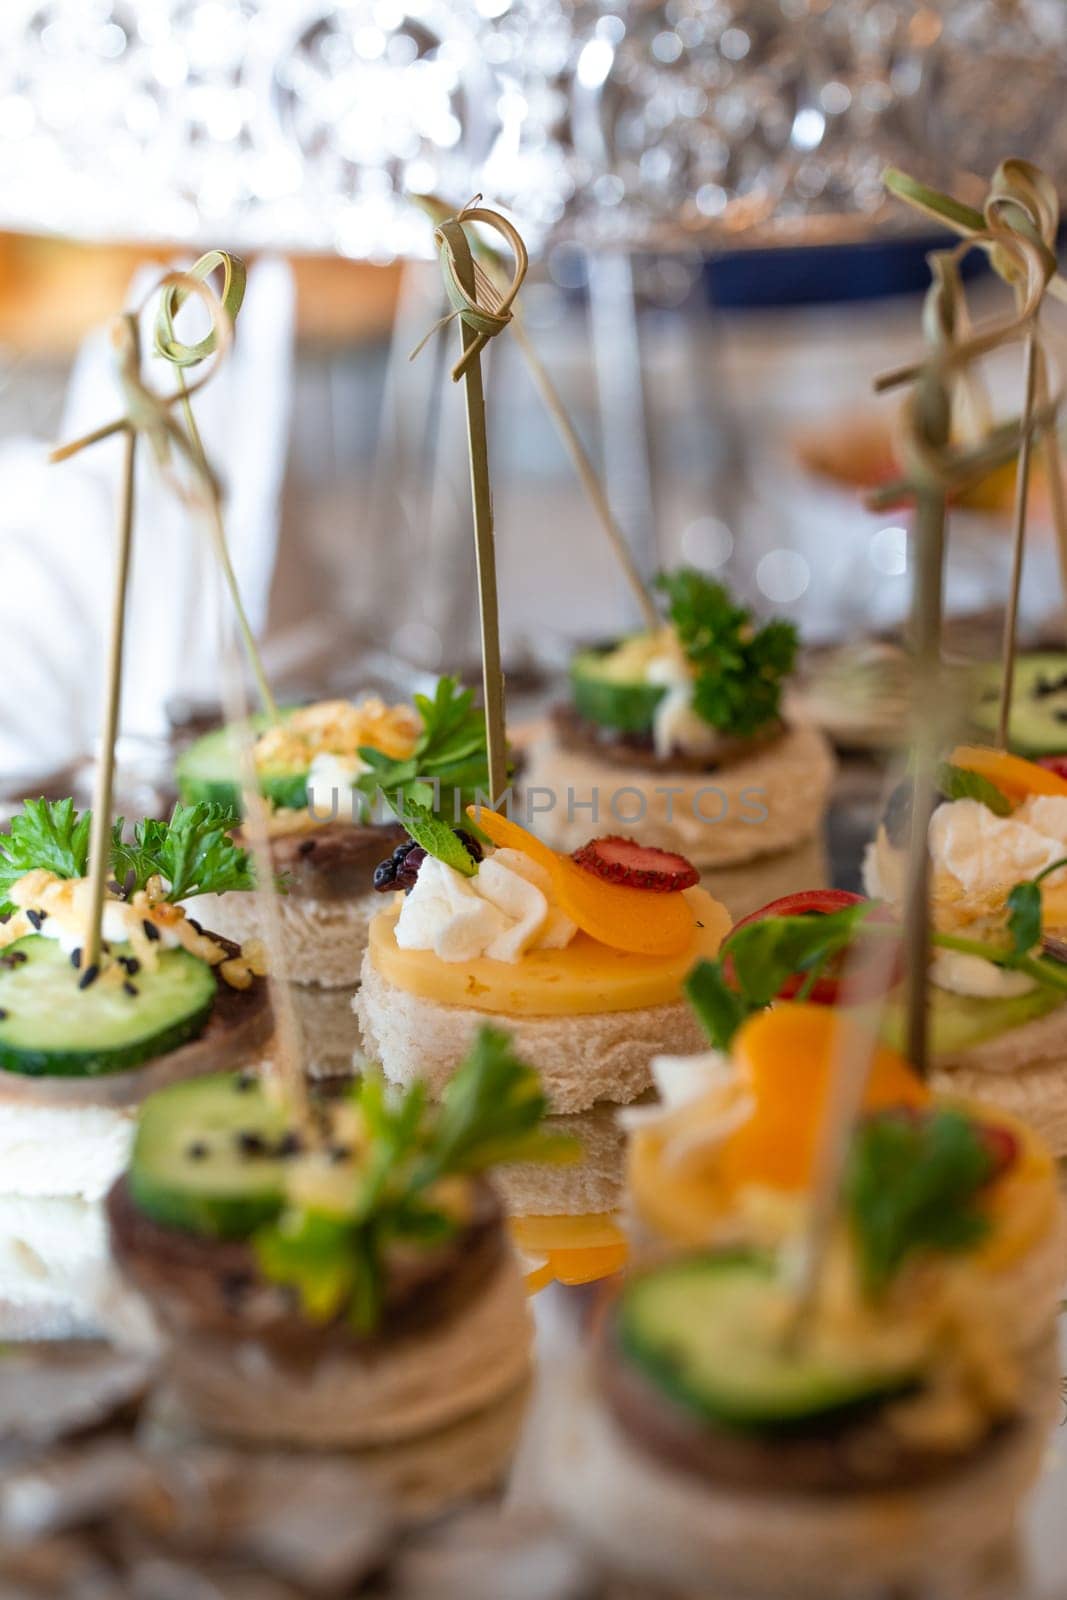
(717, 275)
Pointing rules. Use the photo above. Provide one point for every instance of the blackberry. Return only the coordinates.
(408, 866)
(469, 843)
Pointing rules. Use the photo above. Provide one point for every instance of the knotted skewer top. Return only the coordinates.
(475, 299)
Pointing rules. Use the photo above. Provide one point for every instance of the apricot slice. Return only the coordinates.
(1012, 775)
(788, 1056)
(625, 919)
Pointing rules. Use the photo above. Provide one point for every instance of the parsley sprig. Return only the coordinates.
(48, 834)
(740, 668)
(914, 1183)
(337, 1259)
(448, 766)
(193, 852)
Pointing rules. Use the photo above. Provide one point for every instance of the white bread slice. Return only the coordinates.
(400, 1390)
(323, 940)
(650, 1523)
(74, 1151)
(790, 778)
(581, 1060)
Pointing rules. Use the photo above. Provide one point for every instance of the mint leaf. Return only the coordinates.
(437, 838)
(740, 668)
(47, 834)
(912, 1184)
(957, 783)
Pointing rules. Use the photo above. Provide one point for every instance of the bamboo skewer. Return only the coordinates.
(104, 786)
(1018, 541)
(483, 312)
(150, 413)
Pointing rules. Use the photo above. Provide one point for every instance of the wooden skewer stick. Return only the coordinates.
(479, 320)
(126, 340)
(1018, 539)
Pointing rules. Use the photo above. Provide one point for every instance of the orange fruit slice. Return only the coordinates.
(636, 920)
(1013, 775)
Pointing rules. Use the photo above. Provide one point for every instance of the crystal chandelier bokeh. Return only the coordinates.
(304, 125)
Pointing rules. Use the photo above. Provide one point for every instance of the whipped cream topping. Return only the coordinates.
(330, 780)
(983, 851)
(504, 910)
(675, 724)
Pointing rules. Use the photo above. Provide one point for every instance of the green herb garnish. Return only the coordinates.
(957, 783)
(739, 668)
(438, 839)
(47, 834)
(760, 957)
(448, 767)
(193, 852)
(913, 1184)
(1024, 910)
(490, 1113)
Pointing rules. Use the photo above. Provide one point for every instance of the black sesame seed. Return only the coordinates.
(339, 1153)
(151, 932)
(197, 1151)
(131, 963)
(235, 1285)
(130, 988)
(3, 1014)
(13, 958)
(251, 1144)
(305, 847)
(243, 1082)
(288, 1145)
(89, 976)
(76, 958)
(35, 919)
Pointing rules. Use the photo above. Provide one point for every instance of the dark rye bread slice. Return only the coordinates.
(240, 1025)
(335, 860)
(574, 732)
(848, 1456)
(199, 1286)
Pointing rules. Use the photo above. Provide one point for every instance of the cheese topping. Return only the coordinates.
(330, 781)
(59, 908)
(338, 728)
(506, 909)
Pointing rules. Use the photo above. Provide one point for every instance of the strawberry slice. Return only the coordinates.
(636, 866)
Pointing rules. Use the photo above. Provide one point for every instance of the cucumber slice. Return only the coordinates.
(959, 1021)
(708, 1330)
(51, 1027)
(1038, 725)
(203, 1156)
(209, 770)
(600, 695)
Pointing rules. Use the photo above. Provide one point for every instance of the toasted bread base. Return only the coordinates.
(580, 1059)
(761, 805)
